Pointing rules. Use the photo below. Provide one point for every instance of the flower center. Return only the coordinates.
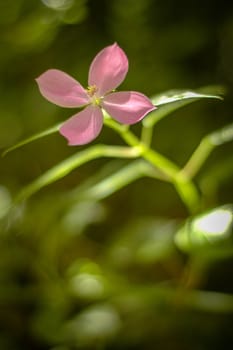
(91, 91)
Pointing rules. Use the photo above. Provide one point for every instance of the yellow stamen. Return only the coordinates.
(91, 90)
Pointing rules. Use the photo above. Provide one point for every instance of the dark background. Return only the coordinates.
(84, 274)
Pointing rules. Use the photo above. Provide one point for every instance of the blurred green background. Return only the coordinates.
(77, 273)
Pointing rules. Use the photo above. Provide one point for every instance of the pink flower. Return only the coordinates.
(107, 71)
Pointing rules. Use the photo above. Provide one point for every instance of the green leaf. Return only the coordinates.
(210, 233)
(34, 137)
(172, 100)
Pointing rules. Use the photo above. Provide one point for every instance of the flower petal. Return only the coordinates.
(84, 126)
(61, 89)
(108, 69)
(127, 107)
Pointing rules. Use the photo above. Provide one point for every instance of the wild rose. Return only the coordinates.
(106, 73)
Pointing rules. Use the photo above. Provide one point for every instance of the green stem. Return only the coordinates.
(168, 168)
(119, 179)
(205, 147)
(147, 133)
(187, 192)
(172, 173)
(198, 158)
(73, 162)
